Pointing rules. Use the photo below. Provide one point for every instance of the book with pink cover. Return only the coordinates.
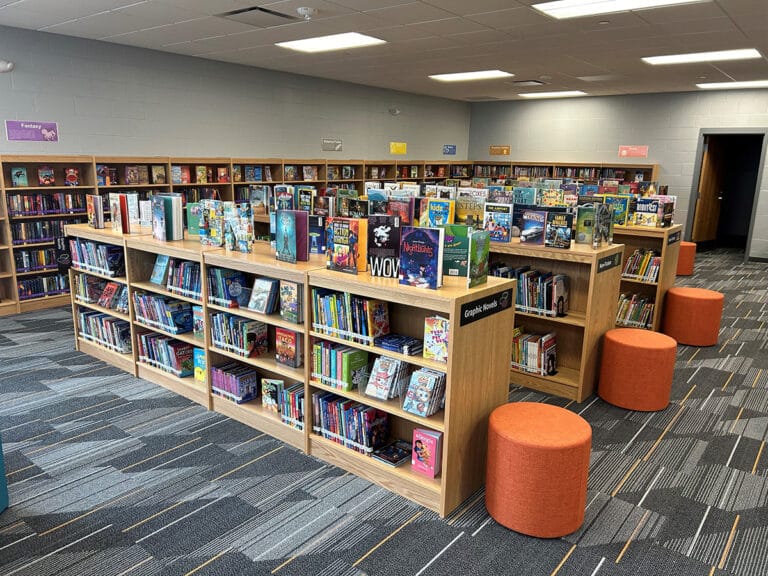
(427, 453)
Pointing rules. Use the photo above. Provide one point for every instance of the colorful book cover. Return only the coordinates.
(470, 210)
(377, 201)
(131, 175)
(19, 176)
(384, 246)
(290, 301)
(436, 329)
(72, 176)
(440, 212)
(346, 244)
(95, 210)
(201, 174)
(306, 198)
(479, 251)
(292, 236)
(358, 207)
(403, 208)
(523, 195)
(585, 223)
(620, 205)
(421, 257)
(271, 394)
(603, 229)
(532, 231)
(288, 347)
(456, 250)
(259, 196)
(158, 174)
(263, 295)
(211, 223)
(316, 234)
(426, 454)
(377, 316)
(343, 196)
(284, 198)
(222, 174)
(193, 219)
(497, 221)
(45, 176)
(559, 229)
(176, 174)
(198, 321)
(115, 215)
(201, 371)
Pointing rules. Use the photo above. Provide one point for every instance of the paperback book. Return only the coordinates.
(498, 221)
(421, 257)
(292, 236)
(346, 244)
(558, 231)
(532, 232)
(384, 246)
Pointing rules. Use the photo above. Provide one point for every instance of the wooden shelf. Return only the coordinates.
(154, 288)
(33, 245)
(118, 187)
(107, 235)
(265, 362)
(118, 279)
(187, 337)
(60, 215)
(118, 359)
(43, 302)
(97, 308)
(254, 415)
(573, 318)
(186, 387)
(44, 188)
(272, 319)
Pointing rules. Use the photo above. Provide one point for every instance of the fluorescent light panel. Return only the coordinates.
(577, 8)
(332, 42)
(734, 85)
(471, 76)
(561, 94)
(718, 56)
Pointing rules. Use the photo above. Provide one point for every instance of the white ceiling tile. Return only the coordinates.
(480, 37)
(363, 5)
(695, 11)
(511, 18)
(324, 9)
(72, 8)
(398, 33)
(20, 18)
(462, 7)
(409, 13)
(208, 7)
(447, 26)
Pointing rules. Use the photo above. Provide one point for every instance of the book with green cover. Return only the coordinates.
(479, 251)
(456, 250)
(354, 369)
(193, 219)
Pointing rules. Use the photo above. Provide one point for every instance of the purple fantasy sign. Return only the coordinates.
(32, 131)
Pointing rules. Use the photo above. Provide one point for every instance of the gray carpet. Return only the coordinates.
(110, 475)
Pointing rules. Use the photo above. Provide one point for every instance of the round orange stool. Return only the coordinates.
(692, 315)
(686, 258)
(636, 369)
(538, 464)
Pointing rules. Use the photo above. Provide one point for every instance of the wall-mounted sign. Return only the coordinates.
(633, 151)
(398, 147)
(31, 131)
(498, 150)
(332, 145)
(449, 149)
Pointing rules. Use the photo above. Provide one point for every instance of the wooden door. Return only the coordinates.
(707, 214)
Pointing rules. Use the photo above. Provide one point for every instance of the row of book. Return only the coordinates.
(94, 290)
(349, 423)
(107, 175)
(199, 174)
(235, 381)
(35, 260)
(46, 176)
(425, 394)
(643, 264)
(388, 378)
(158, 311)
(534, 353)
(166, 353)
(241, 336)
(424, 452)
(537, 292)
(42, 204)
(181, 277)
(43, 286)
(105, 330)
(105, 259)
(39, 231)
(635, 311)
(349, 316)
(339, 366)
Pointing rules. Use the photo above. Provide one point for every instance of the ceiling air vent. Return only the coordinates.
(481, 98)
(259, 17)
(521, 83)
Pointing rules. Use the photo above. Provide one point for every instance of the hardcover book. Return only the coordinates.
(497, 221)
(427, 452)
(436, 329)
(288, 347)
(211, 224)
(19, 176)
(284, 198)
(456, 250)
(558, 230)
(264, 295)
(131, 175)
(384, 246)
(620, 205)
(95, 209)
(316, 234)
(421, 257)
(395, 454)
(158, 174)
(45, 176)
(403, 208)
(259, 196)
(305, 196)
(291, 301)
(222, 174)
(176, 174)
(585, 223)
(470, 211)
(193, 219)
(271, 393)
(532, 231)
(72, 176)
(346, 244)
(440, 211)
(292, 236)
(201, 174)
(603, 229)
(479, 251)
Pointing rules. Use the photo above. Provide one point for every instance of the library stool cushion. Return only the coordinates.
(636, 369)
(692, 315)
(538, 464)
(686, 258)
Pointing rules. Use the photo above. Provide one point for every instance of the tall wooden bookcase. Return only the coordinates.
(665, 242)
(593, 283)
(476, 370)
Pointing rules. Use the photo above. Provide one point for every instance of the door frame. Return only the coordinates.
(703, 132)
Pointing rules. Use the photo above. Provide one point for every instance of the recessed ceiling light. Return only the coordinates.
(332, 42)
(732, 85)
(561, 94)
(718, 56)
(576, 8)
(470, 76)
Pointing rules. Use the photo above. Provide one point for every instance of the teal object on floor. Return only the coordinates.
(3, 483)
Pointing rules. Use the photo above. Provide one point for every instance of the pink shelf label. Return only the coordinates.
(633, 151)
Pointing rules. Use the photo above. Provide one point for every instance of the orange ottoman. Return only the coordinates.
(692, 315)
(538, 464)
(686, 258)
(636, 369)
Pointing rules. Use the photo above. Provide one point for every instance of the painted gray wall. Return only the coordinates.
(592, 129)
(119, 100)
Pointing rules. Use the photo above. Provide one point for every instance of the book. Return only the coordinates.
(395, 453)
(291, 300)
(497, 220)
(558, 230)
(284, 198)
(427, 452)
(176, 177)
(292, 235)
(158, 174)
(259, 196)
(72, 176)
(201, 174)
(288, 347)
(305, 197)
(316, 234)
(440, 212)
(470, 210)
(211, 223)
(479, 251)
(346, 244)
(377, 318)
(421, 257)
(532, 231)
(198, 321)
(585, 223)
(271, 393)
(125, 219)
(115, 212)
(45, 176)
(264, 295)
(384, 245)
(200, 368)
(456, 250)
(19, 176)
(158, 218)
(193, 219)
(94, 208)
(222, 174)
(620, 206)
(559, 295)
(436, 329)
(131, 175)
(603, 228)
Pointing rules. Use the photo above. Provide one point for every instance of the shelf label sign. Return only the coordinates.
(398, 148)
(633, 151)
(674, 237)
(31, 131)
(486, 306)
(449, 149)
(331, 144)
(608, 262)
(498, 150)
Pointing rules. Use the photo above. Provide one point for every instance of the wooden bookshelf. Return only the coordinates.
(593, 283)
(476, 383)
(665, 242)
(9, 299)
